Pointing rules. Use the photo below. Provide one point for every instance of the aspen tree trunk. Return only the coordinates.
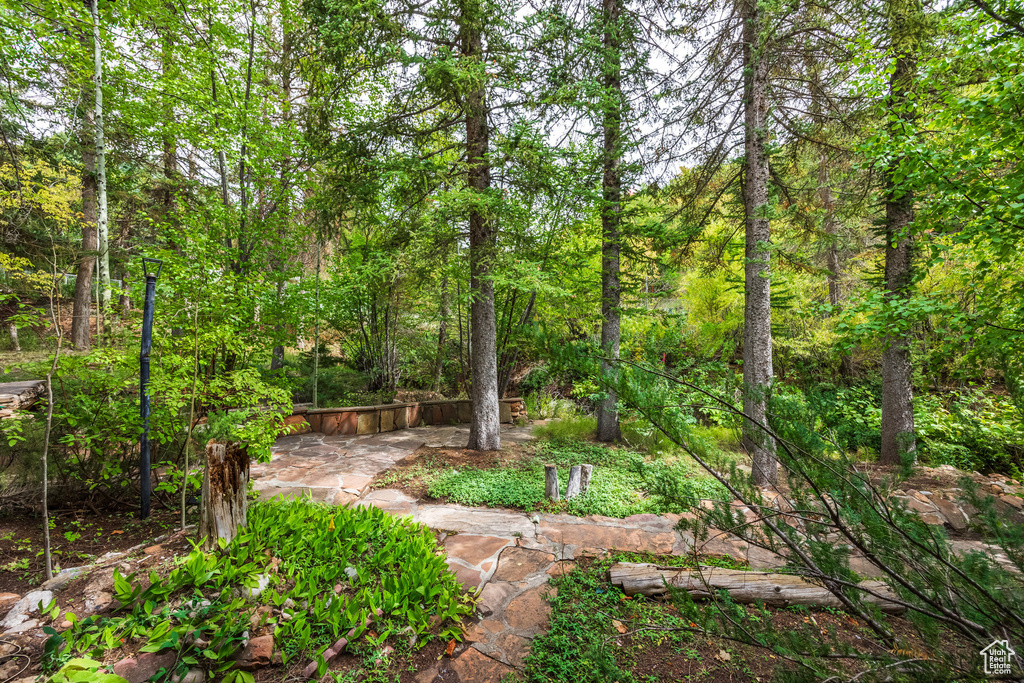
(484, 426)
(611, 213)
(757, 319)
(277, 355)
(81, 312)
(170, 148)
(101, 163)
(442, 336)
(897, 389)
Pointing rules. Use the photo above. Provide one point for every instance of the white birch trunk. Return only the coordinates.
(101, 168)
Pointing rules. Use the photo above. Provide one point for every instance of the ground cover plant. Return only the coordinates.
(625, 482)
(305, 573)
(598, 634)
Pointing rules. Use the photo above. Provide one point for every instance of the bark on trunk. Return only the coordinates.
(442, 337)
(551, 482)
(611, 212)
(897, 389)
(13, 329)
(101, 172)
(278, 263)
(757, 320)
(573, 488)
(777, 590)
(225, 484)
(81, 312)
(484, 427)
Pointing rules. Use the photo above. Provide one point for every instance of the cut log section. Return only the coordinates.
(586, 471)
(551, 482)
(225, 484)
(572, 489)
(776, 590)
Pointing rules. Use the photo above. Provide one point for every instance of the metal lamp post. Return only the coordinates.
(147, 343)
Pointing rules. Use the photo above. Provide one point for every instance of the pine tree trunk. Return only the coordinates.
(757, 320)
(225, 485)
(611, 212)
(484, 426)
(897, 387)
(81, 312)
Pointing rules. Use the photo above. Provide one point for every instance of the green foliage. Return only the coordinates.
(96, 408)
(971, 429)
(575, 646)
(201, 610)
(844, 509)
(571, 427)
(622, 484)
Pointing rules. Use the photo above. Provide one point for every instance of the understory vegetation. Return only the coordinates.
(625, 482)
(329, 571)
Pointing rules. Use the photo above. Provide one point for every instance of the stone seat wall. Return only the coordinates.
(392, 416)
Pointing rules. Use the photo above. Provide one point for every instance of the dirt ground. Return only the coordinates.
(408, 475)
(76, 539)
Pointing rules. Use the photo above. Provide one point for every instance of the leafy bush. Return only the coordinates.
(96, 422)
(200, 610)
(971, 429)
(544, 406)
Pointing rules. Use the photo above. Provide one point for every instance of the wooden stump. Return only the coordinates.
(586, 471)
(573, 488)
(551, 482)
(225, 484)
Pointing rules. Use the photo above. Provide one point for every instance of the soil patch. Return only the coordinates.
(76, 539)
(410, 475)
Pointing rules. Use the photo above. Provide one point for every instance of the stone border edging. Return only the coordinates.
(354, 420)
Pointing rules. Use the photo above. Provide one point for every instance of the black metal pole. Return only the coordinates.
(145, 478)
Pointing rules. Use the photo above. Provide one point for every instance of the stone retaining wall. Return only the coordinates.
(392, 416)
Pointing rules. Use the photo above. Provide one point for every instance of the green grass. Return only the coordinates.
(574, 427)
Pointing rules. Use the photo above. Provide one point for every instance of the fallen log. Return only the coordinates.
(776, 590)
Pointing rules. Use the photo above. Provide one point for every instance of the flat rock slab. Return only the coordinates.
(473, 666)
(473, 550)
(471, 520)
(528, 612)
(515, 564)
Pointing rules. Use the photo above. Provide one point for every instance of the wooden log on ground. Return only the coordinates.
(776, 590)
(586, 471)
(573, 487)
(551, 482)
(225, 483)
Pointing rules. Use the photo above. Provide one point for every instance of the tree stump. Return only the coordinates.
(573, 488)
(551, 482)
(586, 471)
(225, 484)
